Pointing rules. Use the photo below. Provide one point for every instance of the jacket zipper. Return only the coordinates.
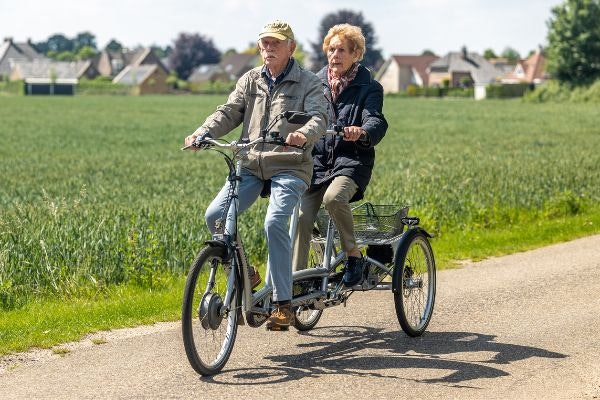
(265, 124)
(330, 162)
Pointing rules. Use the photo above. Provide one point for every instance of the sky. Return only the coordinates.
(401, 26)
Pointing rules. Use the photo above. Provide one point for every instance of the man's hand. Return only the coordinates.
(296, 139)
(353, 133)
(189, 140)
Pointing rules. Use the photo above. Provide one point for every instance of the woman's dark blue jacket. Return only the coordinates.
(360, 104)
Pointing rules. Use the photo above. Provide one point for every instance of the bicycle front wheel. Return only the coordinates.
(414, 283)
(208, 325)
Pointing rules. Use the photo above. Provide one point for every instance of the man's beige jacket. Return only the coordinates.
(253, 105)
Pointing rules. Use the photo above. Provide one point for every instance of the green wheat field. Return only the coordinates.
(95, 192)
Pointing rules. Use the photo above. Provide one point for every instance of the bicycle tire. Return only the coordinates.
(306, 318)
(208, 338)
(414, 282)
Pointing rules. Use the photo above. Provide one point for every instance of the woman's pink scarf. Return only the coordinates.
(339, 83)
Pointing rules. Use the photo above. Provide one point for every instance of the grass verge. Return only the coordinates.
(478, 244)
(46, 323)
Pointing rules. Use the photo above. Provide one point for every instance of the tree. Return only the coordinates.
(300, 54)
(372, 58)
(574, 42)
(428, 52)
(86, 53)
(64, 56)
(191, 50)
(251, 49)
(489, 54)
(41, 47)
(162, 52)
(511, 55)
(84, 39)
(59, 43)
(113, 45)
(229, 52)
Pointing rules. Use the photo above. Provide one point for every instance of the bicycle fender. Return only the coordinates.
(219, 244)
(401, 251)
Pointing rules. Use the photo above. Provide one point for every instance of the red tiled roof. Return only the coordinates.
(419, 63)
(533, 68)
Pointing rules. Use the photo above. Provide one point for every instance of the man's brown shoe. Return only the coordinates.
(281, 318)
(254, 276)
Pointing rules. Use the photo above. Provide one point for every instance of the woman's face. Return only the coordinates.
(339, 56)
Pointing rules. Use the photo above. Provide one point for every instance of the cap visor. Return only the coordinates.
(273, 35)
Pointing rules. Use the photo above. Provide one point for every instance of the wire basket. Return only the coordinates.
(373, 224)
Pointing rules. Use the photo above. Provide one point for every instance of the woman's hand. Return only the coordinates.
(296, 139)
(353, 133)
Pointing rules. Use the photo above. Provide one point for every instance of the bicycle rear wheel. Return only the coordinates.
(208, 325)
(414, 283)
(306, 318)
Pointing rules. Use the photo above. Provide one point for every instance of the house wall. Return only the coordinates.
(155, 83)
(405, 77)
(104, 67)
(459, 76)
(390, 79)
(437, 78)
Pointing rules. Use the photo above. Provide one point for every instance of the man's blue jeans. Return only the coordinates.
(286, 191)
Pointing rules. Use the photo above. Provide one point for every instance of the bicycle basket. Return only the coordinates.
(372, 223)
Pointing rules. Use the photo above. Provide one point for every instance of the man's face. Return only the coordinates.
(275, 53)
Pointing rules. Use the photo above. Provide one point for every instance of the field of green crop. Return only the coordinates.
(94, 191)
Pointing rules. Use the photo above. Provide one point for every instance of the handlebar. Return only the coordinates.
(238, 145)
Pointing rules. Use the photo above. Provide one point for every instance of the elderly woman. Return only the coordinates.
(343, 164)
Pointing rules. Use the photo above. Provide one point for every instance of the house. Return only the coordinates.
(12, 53)
(111, 63)
(400, 71)
(464, 69)
(207, 73)
(231, 68)
(144, 79)
(531, 70)
(51, 77)
(502, 64)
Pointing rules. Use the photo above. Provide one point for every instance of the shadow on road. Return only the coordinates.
(457, 357)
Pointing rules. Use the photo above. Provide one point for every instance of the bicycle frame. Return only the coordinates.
(230, 239)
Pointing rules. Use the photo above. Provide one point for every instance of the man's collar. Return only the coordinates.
(267, 74)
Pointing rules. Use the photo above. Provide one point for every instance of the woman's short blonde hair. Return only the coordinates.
(352, 33)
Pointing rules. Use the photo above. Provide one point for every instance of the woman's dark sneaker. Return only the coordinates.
(354, 268)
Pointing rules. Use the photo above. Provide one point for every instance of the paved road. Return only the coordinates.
(521, 326)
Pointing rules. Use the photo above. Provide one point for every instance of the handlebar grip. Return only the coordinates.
(199, 144)
(338, 130)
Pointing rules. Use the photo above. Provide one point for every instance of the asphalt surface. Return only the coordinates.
(515, 327)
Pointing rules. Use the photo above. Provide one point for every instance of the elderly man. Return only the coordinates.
(260, 95)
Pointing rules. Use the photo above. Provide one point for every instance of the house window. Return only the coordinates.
(116, 65)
